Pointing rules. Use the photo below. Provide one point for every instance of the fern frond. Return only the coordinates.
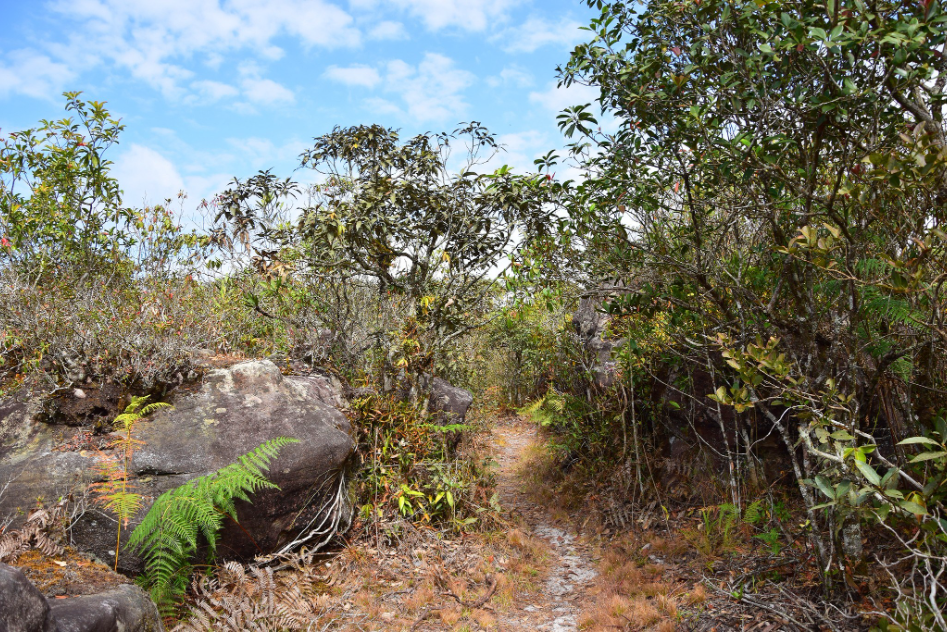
(554, 402)
(754, 513)
(150, 408)
(44, 530)
(168, 536)
(235, 600)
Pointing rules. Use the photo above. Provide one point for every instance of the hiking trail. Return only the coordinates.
(558, 606)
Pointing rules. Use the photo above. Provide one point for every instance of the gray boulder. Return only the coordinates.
(22, 607)
(126, 608)
(450, 402)
(234, 411)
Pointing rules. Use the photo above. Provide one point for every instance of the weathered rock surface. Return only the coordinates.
(590, 325)
(22, 607)
(449, 404)
(235, 410)
(124, 609)
(450, 401)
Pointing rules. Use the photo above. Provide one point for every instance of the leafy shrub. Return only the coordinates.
(92, 289)
(794, 260)
(410, 468)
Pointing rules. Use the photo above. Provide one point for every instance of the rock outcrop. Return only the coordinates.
(590, 325)
(234, 411)
(23, 608)
(126, 608)
(450, 402)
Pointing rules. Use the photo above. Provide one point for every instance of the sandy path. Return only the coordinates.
(558, 606)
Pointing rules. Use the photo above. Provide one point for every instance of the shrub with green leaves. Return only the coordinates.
(411, 470)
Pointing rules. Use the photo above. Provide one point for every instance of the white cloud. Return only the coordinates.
(555, 99)
(151, 40)
(469, 15)
(537, 32)
(32, 74)
(273, 52)
(357, 75)
(260, 90)
(212, 91)
(266, 91)
(522, 141)
(512, 75)
(145, 176)
(262, 153)
(432, 91)
(383, 106)
(388, 30)
(518, 150)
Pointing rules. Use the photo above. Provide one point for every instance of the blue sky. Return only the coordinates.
(212, 89)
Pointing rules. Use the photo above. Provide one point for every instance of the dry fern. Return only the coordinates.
(44, 530)
(238, 600)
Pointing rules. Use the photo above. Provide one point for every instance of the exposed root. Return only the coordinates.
(331, 517)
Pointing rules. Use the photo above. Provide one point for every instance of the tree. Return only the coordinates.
(398, 221)
(778, 186)
(59, 207)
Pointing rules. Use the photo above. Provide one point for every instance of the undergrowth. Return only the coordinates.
(416, 469)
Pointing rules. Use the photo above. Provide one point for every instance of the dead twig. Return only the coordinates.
(424, 615)
(480, 602)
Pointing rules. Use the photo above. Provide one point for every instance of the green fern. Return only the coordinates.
(547, 409)
(115, 492)
(889, 308)
(755, 513)
(872, 267)
(168, 536)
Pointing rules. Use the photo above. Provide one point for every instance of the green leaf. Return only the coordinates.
(823, 484)
(868, 472)
(912, 507)
(914, 440)
(928, 456)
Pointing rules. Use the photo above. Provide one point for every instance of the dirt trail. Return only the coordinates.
(558, 605)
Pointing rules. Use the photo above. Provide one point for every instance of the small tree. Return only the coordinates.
(777, 187)
(59, 207)
(395, 221)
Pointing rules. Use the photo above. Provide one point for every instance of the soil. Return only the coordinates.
(68, 574)
(549, 563)
(92, 405)
(526, 570)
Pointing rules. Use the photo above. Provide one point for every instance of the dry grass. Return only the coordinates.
(391, 588)
(561, 494)
(630, 592)
(696, 596)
